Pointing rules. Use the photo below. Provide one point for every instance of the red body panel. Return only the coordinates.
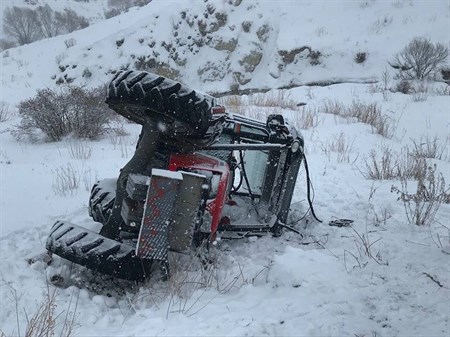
(200, 162)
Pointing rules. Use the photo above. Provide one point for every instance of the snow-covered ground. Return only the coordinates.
(380, 277)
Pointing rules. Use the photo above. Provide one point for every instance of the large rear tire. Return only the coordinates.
(141, 97)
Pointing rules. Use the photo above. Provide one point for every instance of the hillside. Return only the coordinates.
(228, 45)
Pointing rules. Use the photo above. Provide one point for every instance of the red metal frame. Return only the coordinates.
(201, 162)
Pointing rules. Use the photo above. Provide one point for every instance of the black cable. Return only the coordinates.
(308, 189)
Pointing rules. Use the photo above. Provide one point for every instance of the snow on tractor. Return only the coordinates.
(197, 171)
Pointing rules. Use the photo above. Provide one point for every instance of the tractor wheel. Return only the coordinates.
(101, 200)
(142, 97)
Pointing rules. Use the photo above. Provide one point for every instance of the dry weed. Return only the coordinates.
(79, 150)
(422, 206)
(280, 98)
(307, 118)
(341, 146)
(428, 147)
(391, 165)
(66, 181)
(46, 322)
(5, 112)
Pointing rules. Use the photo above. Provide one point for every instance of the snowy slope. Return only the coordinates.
(321, 284)
(218, 45)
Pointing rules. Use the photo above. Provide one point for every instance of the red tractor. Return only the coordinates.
(197, 171)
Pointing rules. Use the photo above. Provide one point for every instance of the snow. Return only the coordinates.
(321, 284)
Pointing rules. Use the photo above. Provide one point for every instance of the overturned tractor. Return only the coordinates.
(196, 171)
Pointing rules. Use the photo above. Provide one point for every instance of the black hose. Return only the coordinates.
(308, 189)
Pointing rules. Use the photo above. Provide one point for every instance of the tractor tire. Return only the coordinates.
(142, 97)
(96, 252)
(101, 200)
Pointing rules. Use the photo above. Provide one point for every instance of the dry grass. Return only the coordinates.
(307, 118)
(45, 321)
(427, 147)
(385, 167)
(368, 113)
(232, 101)
(5, 112)
(280, 98)
(333, 107)
(391, 165)
(419, 97)
(66, 180)
(79, 150)
(341, 146)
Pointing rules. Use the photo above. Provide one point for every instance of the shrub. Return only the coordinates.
(360, 57)
(408, 164)
(73, 110)
(422, 206)
(419, 59)
(112, 13)
(70, 20)
(404, 86)
(445, 72)
(70, 42)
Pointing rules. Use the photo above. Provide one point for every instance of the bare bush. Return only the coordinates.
(419, 59)
(73, 110)
(21, 24)
(421, 207)
(70, 20)
(5, 111)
